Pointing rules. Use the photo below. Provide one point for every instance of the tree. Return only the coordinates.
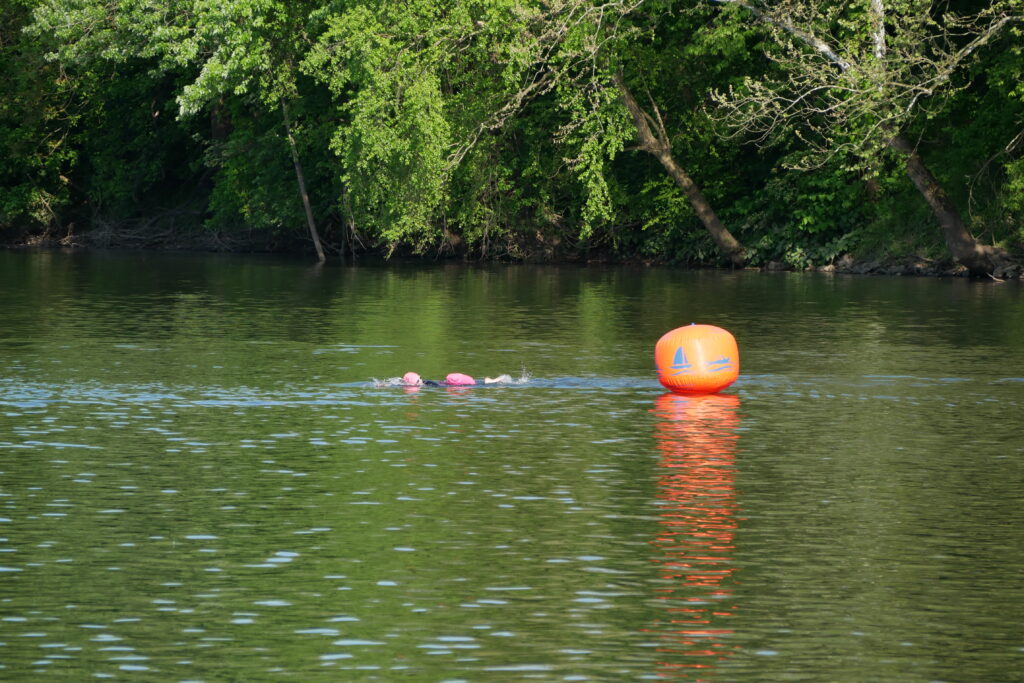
(852, 79)
(425, 86)
(654, 139)
(598, 42)
(245, 49)
(38, 111)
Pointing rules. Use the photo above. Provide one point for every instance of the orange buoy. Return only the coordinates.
(697, 359)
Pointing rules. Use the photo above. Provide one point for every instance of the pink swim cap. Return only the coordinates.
(457, 379)
(411, 379)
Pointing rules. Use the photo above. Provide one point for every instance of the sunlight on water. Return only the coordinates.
(201, 478)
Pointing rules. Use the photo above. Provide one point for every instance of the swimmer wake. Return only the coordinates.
(454, 379)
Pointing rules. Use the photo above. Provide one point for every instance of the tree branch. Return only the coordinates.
(878, 31)
(804, 36)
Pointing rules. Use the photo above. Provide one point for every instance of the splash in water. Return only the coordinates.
(503, 379)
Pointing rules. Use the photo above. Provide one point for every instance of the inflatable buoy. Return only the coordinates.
(697, 359)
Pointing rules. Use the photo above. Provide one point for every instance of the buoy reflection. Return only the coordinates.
(696, 437)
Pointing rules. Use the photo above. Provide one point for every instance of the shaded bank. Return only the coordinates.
(154, 237)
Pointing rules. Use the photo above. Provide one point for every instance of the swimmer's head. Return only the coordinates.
(411, 379)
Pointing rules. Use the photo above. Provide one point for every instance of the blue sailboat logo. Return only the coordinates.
(680, 363)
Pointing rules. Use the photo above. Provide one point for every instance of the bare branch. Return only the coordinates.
(785, 24)
(555, 24)
(875, 87)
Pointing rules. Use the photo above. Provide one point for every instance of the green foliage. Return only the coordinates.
(253, 183)
(490, 126)
(37, 112)
(805, 220)
(394, 136)
(598, 129)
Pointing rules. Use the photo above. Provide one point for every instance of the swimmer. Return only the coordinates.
(454, 379)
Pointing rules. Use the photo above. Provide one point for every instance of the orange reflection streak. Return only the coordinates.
(697, 437)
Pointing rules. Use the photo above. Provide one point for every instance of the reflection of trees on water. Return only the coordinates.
(696, 436)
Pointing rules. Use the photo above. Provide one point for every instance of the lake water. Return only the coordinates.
(199, 479)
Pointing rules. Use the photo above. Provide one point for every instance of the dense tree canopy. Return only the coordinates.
(696, 131)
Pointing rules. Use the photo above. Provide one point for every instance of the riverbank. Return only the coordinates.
(153, 237)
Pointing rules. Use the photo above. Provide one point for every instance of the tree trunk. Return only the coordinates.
(659, 146)
(219, 125)
(302, 185)
(349, 221)
(727, 244)
(979, 259)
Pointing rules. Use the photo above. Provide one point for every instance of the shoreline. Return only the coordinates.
(265, 243)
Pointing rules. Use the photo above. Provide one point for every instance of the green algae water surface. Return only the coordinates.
(199, 479)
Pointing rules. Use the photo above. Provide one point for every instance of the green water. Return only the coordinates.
(199, 479)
